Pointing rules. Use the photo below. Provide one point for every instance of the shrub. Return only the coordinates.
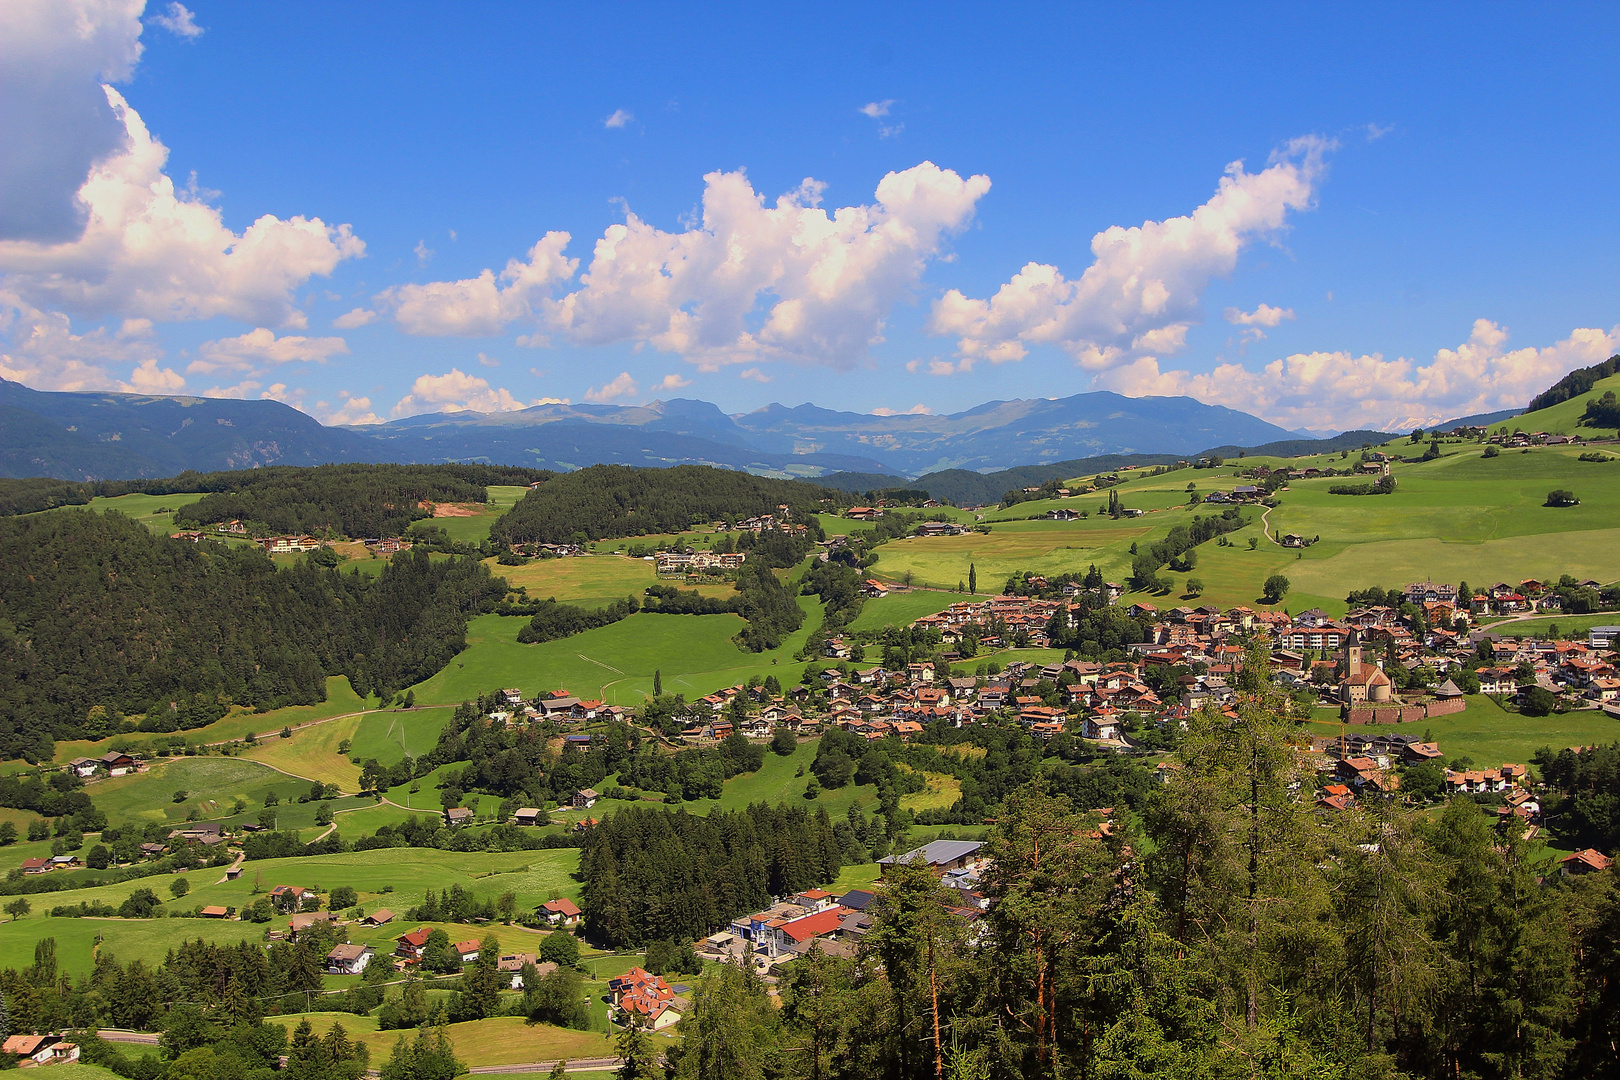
(560, 948)
(1561, 497)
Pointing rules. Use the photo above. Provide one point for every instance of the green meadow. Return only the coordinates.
(904, 608)
(615, 663)
(592, 581)
(1459, 517)
(156, 512)
(503, 1040)
(1043, 547)
(1490, 734)
(395, 878)
(340, 699)
(1565, 417)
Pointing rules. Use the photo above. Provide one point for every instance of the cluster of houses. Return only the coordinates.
(553, 551)
(773, 938)
(1518, 439)
(679, 563)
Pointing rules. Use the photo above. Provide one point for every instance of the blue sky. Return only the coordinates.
(1423, 223)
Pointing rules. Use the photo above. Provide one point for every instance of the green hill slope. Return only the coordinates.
(1564, 418)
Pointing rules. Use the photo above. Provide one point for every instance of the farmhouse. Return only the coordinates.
(348, 959)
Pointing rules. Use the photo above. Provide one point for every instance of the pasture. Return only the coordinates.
(394, 878)
(474, 529)
(1491, 735)
(615, 663)
(238, 724)
(389, 736)
(213, 786)
(592, 581)
(903, 608)
(499, 1040)
(1043, 547)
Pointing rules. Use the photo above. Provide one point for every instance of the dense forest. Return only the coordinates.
(285, 494)
(356, 501)
(609, 501)
(651, 875)
(106, 627)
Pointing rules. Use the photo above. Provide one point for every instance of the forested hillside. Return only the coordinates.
(353, 500)
(346, 500)
(105, 626)
(1573, 385)
(608, 501)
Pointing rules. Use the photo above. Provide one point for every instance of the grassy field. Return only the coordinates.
(592, 581)
(1565, 417)
(340, 699)
(1459, 517)
(1046, 547)
(1565, 625)
(616, 662)
(392, 877)
(213, 785)
(502, 1040)
(156, 512)
(1492, 735)
(387, 736)
(392, 736)
(903, 608)
(779, 780)
(475, 529)
(147, 940)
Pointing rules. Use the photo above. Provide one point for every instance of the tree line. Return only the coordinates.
(610, 501)
(29, 496)
(355, 501)
(652, 875)
(106, 627)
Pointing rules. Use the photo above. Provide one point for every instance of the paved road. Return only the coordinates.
(601, 1064)
(143, 1038)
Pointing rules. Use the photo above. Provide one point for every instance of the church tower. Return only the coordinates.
(1352, 654)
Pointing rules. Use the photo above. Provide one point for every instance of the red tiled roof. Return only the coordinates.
(822, 922)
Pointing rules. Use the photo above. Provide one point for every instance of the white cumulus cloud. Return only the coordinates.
(39, 349)
(151, 252)
(349, 410)
(456, 391)
(246, 352)
(875, 109)
(622, 385)
(354, 318)
(618, 119)
(1342, 390)
(827, 280)
(486, 304)
(916, 410)
(1141, 292)
(1264, 315)
(673, 381)
(178, 21)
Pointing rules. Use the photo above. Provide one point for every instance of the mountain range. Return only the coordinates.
(90, 435)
